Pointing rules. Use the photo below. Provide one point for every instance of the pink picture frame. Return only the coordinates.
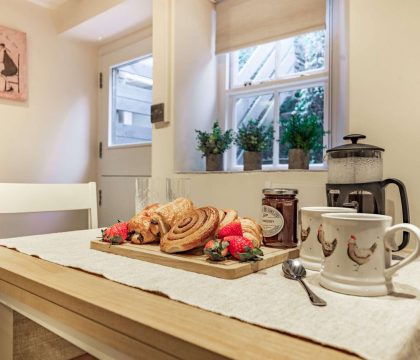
(13, 64)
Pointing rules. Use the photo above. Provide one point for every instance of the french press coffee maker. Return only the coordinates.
(355, 179)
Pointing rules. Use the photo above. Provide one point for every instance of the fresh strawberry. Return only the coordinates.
(115, 234)
(242, 249)
(233, 228)
(216, 250)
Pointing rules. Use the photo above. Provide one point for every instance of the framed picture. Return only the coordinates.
(13, 66)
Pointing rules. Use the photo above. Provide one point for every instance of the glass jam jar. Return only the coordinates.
(279, 218)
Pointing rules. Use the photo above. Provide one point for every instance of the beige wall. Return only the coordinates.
(242, 191)
(52, 136)
(385, 86)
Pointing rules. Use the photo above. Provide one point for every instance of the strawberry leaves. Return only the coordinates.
(251, 254)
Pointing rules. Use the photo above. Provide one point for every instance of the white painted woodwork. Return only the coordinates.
(120, 165)
(26, 198)
(118, 199)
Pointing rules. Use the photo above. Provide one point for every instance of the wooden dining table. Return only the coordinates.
(113, 321)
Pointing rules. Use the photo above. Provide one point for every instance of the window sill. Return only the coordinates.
(316, 170)
(127, 146)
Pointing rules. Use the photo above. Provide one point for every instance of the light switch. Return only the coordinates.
(158, 113)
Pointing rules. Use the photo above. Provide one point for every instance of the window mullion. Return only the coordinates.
(292, 83)
(276, 119)
(233, 125)
(327, 117)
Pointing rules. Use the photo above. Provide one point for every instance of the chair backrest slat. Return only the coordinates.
(26, 198)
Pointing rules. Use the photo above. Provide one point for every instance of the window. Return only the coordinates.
(131, 100)
(269, 82)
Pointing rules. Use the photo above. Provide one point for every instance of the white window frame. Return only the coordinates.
(333, 78)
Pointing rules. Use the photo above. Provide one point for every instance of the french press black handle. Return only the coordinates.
(404, 204)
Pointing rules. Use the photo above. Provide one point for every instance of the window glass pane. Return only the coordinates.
(260, 108)
(131, 100)
(301, 53)
(304, 102)
(278, 59)
(253, 64)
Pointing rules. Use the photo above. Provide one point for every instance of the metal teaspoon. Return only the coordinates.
(294, 270)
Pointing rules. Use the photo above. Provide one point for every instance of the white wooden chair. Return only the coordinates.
(26, 198)
(29, 198)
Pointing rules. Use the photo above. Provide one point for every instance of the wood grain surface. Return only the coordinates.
(227, 269)
(139, 324)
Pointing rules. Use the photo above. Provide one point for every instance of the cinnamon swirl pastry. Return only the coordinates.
(252, 230)
(191, 231)
(143, 230)
(226, 216)
(167, 215)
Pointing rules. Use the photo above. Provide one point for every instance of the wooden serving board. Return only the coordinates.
(227, 269)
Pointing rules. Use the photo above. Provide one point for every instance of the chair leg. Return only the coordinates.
(6, 333)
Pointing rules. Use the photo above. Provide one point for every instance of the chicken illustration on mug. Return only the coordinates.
(327, 247)
(305, 233)
(359, 255)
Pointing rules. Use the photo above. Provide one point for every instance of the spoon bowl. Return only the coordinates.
(294, 270)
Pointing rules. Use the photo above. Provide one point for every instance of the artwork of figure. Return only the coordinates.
(13, 81)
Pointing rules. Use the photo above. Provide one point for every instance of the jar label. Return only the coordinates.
(272, 221)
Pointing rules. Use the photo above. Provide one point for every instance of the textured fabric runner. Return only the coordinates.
(376, 328)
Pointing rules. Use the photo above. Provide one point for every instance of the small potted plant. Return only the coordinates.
(253, 140)
(213, 145)
(301, 134)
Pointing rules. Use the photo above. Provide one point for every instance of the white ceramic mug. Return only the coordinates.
(311, 225)
(359, 259)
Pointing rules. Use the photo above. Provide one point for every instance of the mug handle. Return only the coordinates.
(404, 205)
(390, 245)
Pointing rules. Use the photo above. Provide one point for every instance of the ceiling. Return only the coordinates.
(122, 19)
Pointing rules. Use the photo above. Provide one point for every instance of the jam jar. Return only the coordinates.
(279, 218)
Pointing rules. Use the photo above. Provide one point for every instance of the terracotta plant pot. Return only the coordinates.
(214, 162)
(252, 160)
(298, 159)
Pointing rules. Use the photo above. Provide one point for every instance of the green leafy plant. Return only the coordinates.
(214, 142)
(302, 132)
(251, 137)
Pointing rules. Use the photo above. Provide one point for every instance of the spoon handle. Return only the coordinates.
(316, 300)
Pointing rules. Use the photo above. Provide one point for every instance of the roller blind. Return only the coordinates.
(244, 23)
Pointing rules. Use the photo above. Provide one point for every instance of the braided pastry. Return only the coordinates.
(141, 226)
(252, 230)
(191, 231)
(226, 216)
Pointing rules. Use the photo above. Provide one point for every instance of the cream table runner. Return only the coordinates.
(375, 328)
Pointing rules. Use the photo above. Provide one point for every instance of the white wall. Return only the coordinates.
(163, 90)
(184, 79)
(52, 136)
(385, 86)
(194, 78)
